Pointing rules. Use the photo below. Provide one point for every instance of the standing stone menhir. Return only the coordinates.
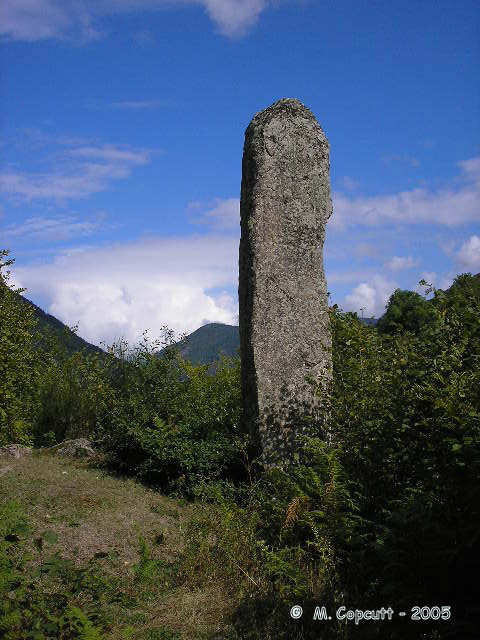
(283, 306)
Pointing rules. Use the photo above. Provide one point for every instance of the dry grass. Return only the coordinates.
(89, 510)
(98, 518)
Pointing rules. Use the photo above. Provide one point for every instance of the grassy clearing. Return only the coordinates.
(129, 537)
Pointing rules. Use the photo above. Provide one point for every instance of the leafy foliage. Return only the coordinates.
(388, 511)
(406, 311)
(47, 391)
(19, 365)
(74, 396)
(171, 423)
(42, 603)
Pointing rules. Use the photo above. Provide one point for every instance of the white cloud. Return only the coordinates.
(398, 263)
(234, 17)
(366, 250)
(91, 170)
(80, 20)
(469, 254)
(431, 277)
(32, 139)
(112, 154)
(471, 168)
(402, 159)
(123, 290)
(32, 20)
(349, 183)
(447, 206)
(447, 245)
(372, 296)
(128, 105)
(224, 215)
(52, 229)
(446, 282)
(139, 104)
(417, 206)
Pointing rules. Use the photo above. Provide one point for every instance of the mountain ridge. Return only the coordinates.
(205, 345)
(208, 342)
(46, 324)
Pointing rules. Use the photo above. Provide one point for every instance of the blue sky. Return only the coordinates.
(122, 127)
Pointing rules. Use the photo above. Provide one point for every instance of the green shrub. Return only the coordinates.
(172, 424)
(74, 397)
(407, 311)
(402, 519)
(386, 511)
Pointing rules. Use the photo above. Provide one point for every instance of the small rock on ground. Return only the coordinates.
(78, 448)
(15, 450)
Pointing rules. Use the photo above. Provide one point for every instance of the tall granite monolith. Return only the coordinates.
(285, 338)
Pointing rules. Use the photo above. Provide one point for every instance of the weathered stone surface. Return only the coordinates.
(77, 448)
(283, 309)
(15, 450)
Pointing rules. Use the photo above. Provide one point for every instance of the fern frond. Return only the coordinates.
(297, 506)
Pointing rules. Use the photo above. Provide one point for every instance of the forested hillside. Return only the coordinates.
(208, 343)
(47, 325)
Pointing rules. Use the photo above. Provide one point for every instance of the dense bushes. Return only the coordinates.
(171, 423)
(413, 457)
(388, 513)
(46, 394)
(74, 396)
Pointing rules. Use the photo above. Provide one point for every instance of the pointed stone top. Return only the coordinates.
(288, 103)
(284, 107)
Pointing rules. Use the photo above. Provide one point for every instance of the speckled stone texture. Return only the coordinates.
(283, 308)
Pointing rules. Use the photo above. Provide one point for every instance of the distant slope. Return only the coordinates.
(47, 323)
(205, 345)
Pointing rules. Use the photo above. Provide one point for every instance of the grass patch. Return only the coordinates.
(98, 555)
